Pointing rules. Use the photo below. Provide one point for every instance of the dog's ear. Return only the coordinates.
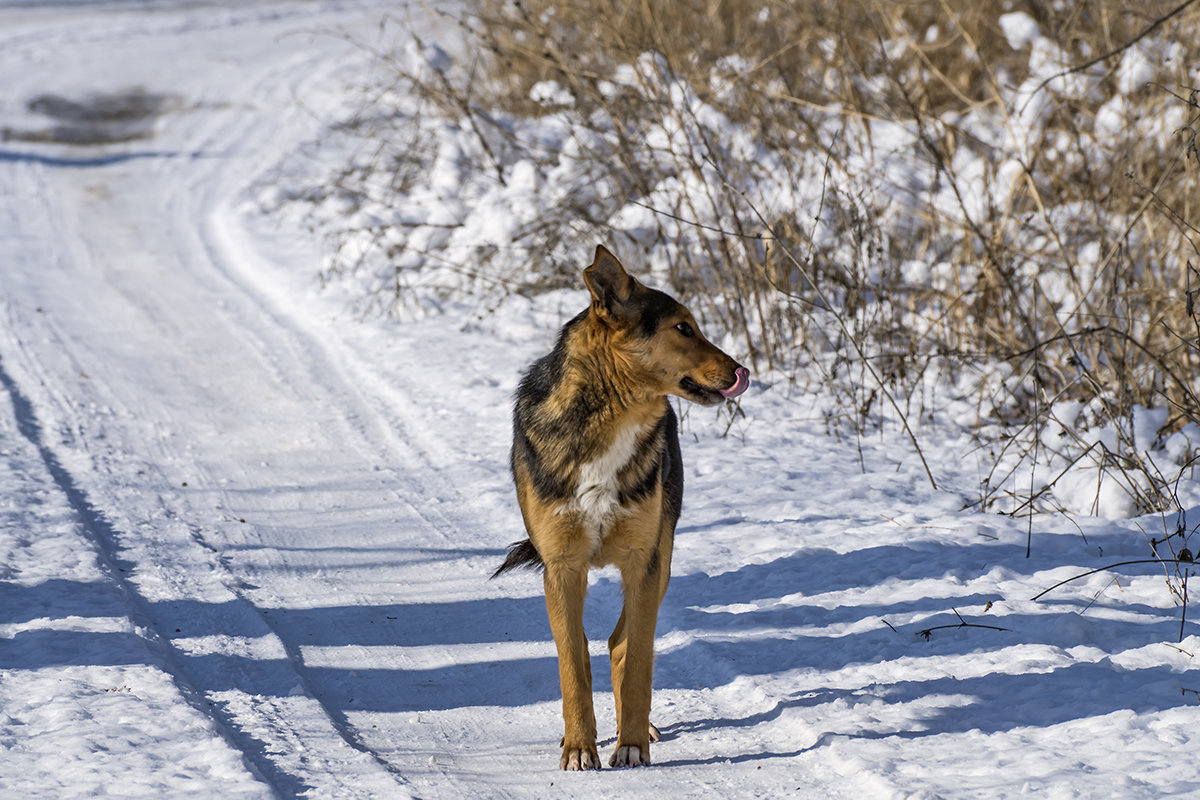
(611, 286)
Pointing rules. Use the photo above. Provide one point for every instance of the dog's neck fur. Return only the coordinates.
(609, 414)
(585, 419)
(619, 396)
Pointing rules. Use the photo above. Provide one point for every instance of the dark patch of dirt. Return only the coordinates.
(103, 118)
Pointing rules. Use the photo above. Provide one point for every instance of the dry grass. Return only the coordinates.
(885, 198)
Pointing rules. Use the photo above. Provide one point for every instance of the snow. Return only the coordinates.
(246, 533)
(1020, 29)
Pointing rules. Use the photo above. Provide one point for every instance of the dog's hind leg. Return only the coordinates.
(616, 658)
(566, 587)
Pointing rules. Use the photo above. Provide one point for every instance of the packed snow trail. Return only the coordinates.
(246, 543)
(158, 391)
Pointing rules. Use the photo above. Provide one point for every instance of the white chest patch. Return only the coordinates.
(597, 493)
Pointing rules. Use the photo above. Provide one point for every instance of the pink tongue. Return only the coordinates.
(740, 385)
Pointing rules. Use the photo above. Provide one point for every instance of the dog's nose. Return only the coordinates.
(741, 382)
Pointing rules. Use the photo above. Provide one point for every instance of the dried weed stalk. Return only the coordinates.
(917, 205)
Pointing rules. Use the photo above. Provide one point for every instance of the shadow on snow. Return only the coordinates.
(720, 646)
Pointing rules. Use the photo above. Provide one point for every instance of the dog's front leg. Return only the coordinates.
(566, 587)
(634, 663)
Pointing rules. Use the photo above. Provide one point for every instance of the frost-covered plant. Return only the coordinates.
(926, 209)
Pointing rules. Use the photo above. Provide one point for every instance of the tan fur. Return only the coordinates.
(590, 463)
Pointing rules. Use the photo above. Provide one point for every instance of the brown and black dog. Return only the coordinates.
(599, 478)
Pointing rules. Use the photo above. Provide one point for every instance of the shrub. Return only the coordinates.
(924, 207)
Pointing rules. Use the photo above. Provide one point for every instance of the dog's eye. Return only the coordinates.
(685, 329)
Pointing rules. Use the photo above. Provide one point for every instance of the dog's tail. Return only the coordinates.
(521, 555)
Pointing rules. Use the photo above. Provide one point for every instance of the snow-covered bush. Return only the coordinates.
(940, 211)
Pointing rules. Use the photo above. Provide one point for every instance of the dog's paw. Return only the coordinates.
(579, 758)
(655, 736)
(630, 755)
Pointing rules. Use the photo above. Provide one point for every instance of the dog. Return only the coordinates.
(599, 479)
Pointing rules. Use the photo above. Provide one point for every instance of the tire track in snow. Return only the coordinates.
(259, 728)
(105, 539)
(286, 745)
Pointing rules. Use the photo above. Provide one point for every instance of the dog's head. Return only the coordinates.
(658, 338)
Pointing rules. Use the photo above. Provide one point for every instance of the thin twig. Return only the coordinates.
(927, 633)
(1183, 612)
(1111, 566)
(700, 225)
(1116, 50)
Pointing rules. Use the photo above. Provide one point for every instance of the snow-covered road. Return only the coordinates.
(244, 539)
(167, 400)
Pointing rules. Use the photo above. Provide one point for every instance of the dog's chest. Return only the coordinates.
(597, 493)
